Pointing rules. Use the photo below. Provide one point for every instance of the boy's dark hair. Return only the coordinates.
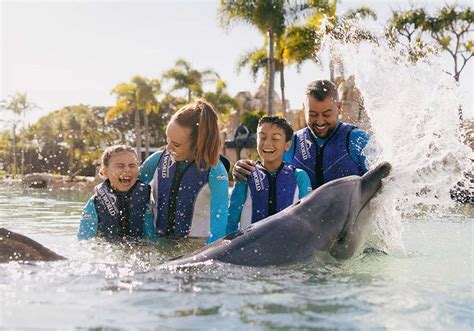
(110, 151)
(279, 122)
(321, 89)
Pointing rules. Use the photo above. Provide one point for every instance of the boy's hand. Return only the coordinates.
(242, 169)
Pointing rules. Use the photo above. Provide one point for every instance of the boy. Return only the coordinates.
(121, 206)
(274, 184)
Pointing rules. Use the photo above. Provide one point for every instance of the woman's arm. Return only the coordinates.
(219, 188)
(148, 168)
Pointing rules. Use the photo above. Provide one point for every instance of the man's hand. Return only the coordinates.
(242, 170)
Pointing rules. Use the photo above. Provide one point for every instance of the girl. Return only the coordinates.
(121, 205)
(186, 173)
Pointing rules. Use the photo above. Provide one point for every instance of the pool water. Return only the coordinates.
(429, 286)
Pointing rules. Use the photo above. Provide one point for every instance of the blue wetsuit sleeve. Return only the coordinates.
(149, 232)
(148, 168)
(219, 188)
(304, 183)
(290, 153)
(89, 221)
(357, 141)
(237, 201)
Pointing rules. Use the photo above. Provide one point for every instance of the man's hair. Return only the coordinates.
(321, 89)
(110, 151)
(279, 122)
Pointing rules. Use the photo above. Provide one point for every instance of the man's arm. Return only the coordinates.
(357, 141)
(290, 153)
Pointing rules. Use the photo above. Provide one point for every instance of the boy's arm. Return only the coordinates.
(237, 201)
(304, 183)
(148, 168)
(89, 221)
(218, 186)
(358, 139)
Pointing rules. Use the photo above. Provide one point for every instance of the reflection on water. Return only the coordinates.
(113, 286)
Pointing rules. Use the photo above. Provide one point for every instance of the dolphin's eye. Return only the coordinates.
(342, 238)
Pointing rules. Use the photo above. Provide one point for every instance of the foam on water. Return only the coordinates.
(413, 109)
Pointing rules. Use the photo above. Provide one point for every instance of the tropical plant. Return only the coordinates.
(138, 96)
(18, 105)
(223, 103)
(268, 16)
(185, 77)
(303, 42)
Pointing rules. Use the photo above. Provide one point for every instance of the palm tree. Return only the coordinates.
(17, 104)
(138, 96)
(185, 77)
(268, 16)
(303, 42)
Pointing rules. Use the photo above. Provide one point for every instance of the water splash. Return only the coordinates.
(413, 109)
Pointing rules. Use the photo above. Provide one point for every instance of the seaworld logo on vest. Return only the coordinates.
(221, 177)
(109, 200)
(258, 178)
(167, 164)
(305, 145)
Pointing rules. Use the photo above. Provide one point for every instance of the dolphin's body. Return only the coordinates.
(17, 247)
(333, 218)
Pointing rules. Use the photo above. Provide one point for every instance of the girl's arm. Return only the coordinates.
(89, 221)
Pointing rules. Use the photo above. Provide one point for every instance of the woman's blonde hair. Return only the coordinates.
(201, 118)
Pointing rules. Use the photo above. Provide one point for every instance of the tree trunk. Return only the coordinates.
(147, 134)
(282, 87)
(138, 135)
(271, 72)
(14, 150)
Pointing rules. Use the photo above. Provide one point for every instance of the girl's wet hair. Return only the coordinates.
(279, 122)
(201, 118)
(110, 151)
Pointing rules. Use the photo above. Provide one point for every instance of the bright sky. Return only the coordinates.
(65, 53)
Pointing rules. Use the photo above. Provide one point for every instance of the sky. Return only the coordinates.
(65, 53)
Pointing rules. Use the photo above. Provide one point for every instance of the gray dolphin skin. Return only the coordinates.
(17, 247)
(333, 218)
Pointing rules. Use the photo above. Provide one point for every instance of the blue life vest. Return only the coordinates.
(176, 195)
(111, 206)
(328, 162)
(271, 193)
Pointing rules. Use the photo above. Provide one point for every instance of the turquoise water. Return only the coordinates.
(429, 286)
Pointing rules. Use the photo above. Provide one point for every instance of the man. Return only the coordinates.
(326, 149)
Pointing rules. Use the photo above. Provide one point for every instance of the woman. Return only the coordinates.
(181, 175)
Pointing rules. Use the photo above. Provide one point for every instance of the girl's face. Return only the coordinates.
(179, 142)
(122, 171)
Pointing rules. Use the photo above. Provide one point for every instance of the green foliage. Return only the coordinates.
(185, 77)
(450, 28)
(250, 119)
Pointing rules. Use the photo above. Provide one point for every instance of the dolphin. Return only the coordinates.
(17, 247)
(333, 218)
